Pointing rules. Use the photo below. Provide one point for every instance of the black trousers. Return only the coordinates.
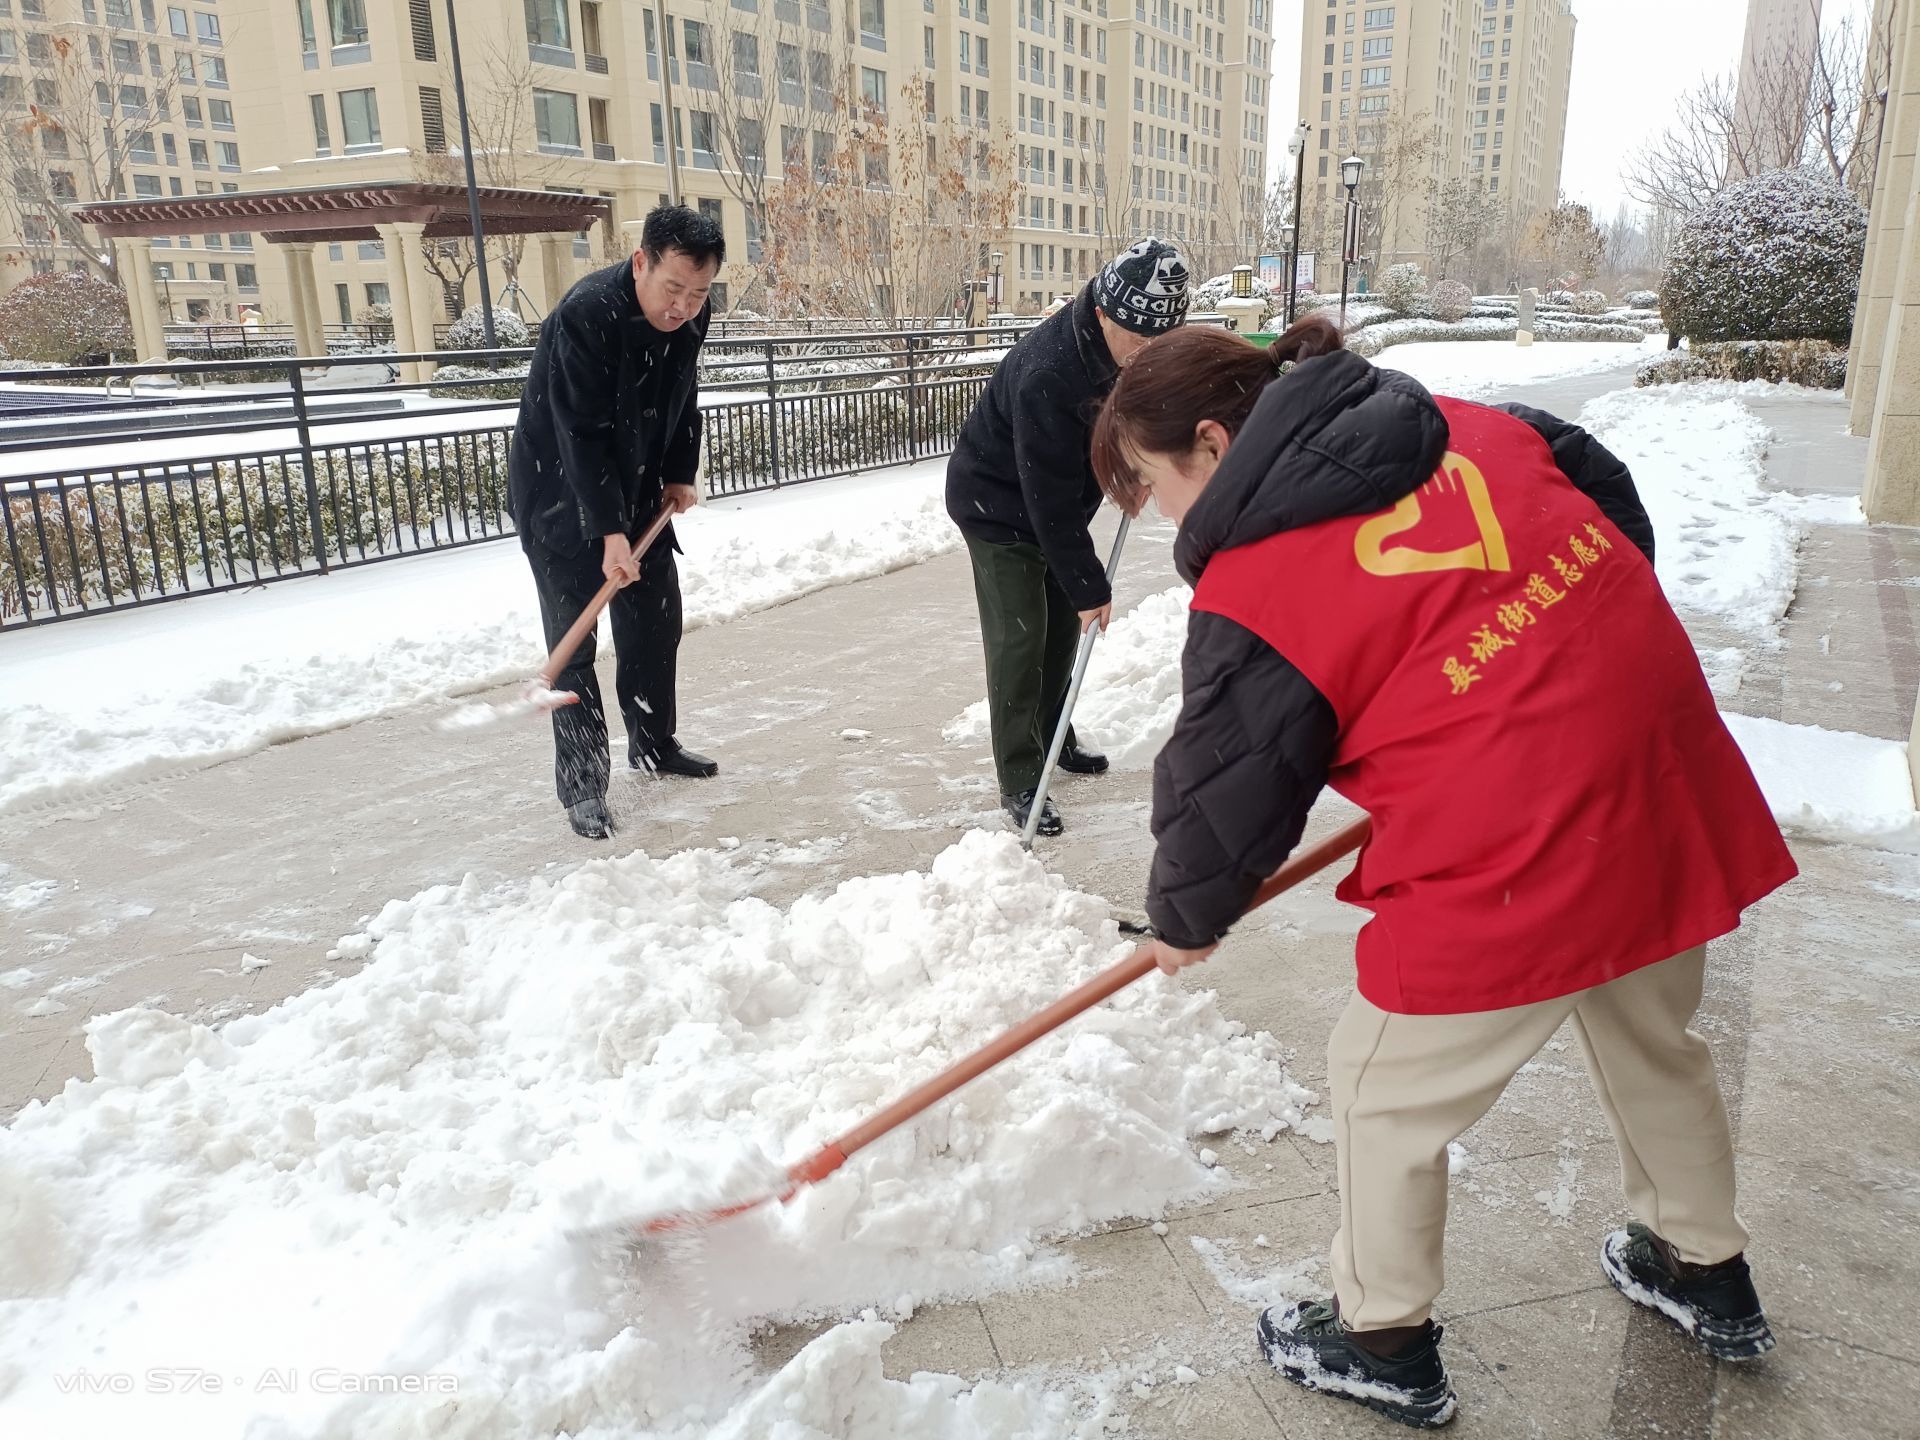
(645, 616)
(1030, 631)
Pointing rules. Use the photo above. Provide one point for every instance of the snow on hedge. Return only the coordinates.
(1774, 257)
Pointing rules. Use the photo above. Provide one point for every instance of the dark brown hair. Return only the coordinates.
(1180, 379)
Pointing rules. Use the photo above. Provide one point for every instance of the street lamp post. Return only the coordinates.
(994, 294)
(1350, 169)
(1296, 147)
(473, 191)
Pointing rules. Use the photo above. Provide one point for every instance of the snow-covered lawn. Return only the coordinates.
(1481, 370)
(195, 681)
(379, 1177)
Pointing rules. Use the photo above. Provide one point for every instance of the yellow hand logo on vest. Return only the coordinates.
(1456, 476)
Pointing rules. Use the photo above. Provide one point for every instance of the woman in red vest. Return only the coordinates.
(1449, 613)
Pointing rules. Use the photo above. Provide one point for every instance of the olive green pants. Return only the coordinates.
(1030, 632)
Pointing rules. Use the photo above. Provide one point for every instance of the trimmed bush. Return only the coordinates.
(1401, 288)
(1775, 257)
(469, 332)
(1450, 301)
(1589, 302)
(67, 318)
(1641, 300)
(1375, 338)
(507, 379)
(1781, 362)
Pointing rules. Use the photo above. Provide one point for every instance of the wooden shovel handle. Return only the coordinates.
(563, 653)
(1016, 1039)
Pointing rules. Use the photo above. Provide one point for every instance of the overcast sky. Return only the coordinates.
(1631, 58)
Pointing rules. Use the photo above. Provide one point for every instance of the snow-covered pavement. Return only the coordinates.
(236, 1231)
(108, 698)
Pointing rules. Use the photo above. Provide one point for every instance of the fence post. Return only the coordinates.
(913, 403)
(773, 415)
(306, 463)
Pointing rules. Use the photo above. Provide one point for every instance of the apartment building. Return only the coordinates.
(1430, 91)
(1115, 117)
(117, 99)
(1776, 60)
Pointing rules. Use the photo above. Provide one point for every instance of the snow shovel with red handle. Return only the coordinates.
(539, 697)
(830, 1157)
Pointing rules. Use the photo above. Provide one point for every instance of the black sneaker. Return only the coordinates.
(590, 819)
(1078, 760)
(1020, 806)
(1715, 1304)
(1309, 1345)
(673, 760)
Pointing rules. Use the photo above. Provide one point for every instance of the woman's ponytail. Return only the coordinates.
(1309, 336)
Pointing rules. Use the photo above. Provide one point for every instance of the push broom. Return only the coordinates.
(830, 1157)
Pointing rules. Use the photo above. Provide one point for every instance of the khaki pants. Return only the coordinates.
(1403, 1086)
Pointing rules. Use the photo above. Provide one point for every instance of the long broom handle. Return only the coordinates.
(1032, 827)
(1117, 977)
(570, 642)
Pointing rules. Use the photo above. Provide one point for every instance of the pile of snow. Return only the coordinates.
(197, 681)
(1832, 784)
(1131, 696)
(1726, 543)
(377, 1179)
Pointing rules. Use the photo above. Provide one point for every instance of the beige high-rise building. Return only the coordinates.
(1100, 126)
(1431, 93)
(1776, 69)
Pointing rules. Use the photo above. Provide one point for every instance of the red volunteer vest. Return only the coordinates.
(1555, 799)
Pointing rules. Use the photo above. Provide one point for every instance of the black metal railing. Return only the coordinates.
(227, 340)
(130, 485)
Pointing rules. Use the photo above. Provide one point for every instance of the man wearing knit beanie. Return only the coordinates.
(1020, 486)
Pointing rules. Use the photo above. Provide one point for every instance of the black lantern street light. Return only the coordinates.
(993, 293)
(1350, 169)
(1296, 147)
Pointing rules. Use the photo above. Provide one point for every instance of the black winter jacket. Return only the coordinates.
(610, 414)
(1255, 739)
(1021, 467)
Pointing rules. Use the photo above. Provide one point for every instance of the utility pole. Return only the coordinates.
(473, 188)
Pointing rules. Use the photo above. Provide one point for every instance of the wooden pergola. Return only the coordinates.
(405, 215)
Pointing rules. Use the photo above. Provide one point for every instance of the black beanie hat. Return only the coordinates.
(1144, 288)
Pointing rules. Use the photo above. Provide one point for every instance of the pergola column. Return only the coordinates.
(412, 291)
(555, 250)
(309, 333)
(135, 258)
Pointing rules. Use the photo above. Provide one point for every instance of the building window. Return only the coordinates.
(703, 132)
(359, 120)
(873, 24)
(221, 113)
(1375, 76)
(309, 40)
(147, 187)
(229, 154)
(873, 87)
(556, 121)
(217, 71)
(378, 294)
(322, 141)
(1380, 19)
(547, 24)
(207, 27)
(348, 21)
(177, 23)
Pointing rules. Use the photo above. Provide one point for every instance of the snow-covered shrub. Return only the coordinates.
(1589, 302)
(1375, 338)
(469, 332)
(1641, 300)
(1557, 299)
(377, 320)
(505, 381)
(1401, 288)
(1450, 301)
(1774, 257)
(67, 318)
(1780, 362)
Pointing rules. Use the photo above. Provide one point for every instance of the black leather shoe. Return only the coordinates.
(1078, 760)
(590, 819)
(674, 761)
(1020, 806)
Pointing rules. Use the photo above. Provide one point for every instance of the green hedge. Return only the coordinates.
(1780, 362)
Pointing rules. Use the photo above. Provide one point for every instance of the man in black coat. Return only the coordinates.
(609, 431)
(1021, 488)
